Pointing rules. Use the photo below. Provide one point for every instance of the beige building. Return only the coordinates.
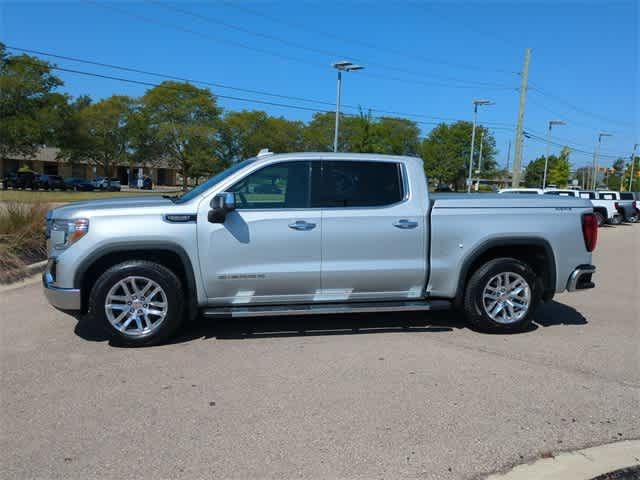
(45, 161)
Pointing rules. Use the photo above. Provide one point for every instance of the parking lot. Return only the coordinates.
(366, 396)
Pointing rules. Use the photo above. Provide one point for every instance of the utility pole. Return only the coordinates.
(476, 104)
(546, 158)
(517, 159)
(596, 156)
(508, 155)
(480, 160)
(633, 164)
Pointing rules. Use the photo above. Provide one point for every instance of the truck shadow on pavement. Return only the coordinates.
(548, 315)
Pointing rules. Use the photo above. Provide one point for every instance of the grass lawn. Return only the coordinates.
(64, 197)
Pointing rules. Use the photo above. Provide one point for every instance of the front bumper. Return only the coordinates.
(580, 279)
(61, 298)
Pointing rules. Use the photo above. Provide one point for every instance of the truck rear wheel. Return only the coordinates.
(615, 220)
(501, 296)
(137, 302)
(600, 218)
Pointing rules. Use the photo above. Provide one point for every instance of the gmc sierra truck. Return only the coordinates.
(314, 233)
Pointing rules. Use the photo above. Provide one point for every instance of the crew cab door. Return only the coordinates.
(373, 232)
(268, 249)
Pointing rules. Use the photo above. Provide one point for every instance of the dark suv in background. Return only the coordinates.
(20, 181)
(51, 182)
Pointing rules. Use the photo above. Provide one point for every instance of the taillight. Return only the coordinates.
(590, 231)
(615, 204)
(635, 205)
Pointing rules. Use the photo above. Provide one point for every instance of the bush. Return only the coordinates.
(22, 239)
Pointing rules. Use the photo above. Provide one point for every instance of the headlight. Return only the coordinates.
(67, 232)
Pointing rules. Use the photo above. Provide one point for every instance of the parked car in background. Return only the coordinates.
(613, 216)
(21, 180)
(78, 184)
(346, 233)
(105, 183)
(51, 182)
(630, 205)
(147, 183)
(522, 191)
(625, 208)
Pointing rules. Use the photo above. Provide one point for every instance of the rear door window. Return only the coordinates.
(359, 184)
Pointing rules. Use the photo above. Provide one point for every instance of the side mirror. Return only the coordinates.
(221, 204)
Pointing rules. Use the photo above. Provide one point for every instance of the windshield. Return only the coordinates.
(200, 189)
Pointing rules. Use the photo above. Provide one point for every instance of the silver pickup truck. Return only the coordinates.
(312, 233)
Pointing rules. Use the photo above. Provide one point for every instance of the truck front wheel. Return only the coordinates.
(137, 302)
(502, 295)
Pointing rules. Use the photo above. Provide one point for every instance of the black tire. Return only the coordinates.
(615, 220)
(474, 307)
(600, 218)
(159, 274)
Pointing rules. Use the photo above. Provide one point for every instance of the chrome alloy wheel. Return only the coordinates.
(506, 297)
(136, 306)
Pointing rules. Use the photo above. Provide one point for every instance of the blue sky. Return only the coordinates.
(428, 59)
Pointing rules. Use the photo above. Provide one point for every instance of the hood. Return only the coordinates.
(104, 206)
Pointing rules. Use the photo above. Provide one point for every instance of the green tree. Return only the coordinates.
(615, 175)
(399, 136)
(558, 170)
(180, 120)
(446, 153)
(243, 134)
(28, 104)
(318, 133)
(635, 184)
(70, 136)
(103, 137)
(363, 134)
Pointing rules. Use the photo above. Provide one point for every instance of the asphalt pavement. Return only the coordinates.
(360, 396)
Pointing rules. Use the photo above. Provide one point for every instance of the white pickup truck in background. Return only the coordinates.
(604, 209)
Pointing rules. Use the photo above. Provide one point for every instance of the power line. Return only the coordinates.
(227, 97)
(277, 54)
(581, 110)
(333, 54)
(245, 90)
(360, 42)
(560, 113)
(530, 134)
(541, 139)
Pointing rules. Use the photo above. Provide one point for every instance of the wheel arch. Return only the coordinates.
(535, 252)
(170, 255)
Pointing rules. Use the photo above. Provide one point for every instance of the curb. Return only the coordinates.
(27, 274)
(579, 465)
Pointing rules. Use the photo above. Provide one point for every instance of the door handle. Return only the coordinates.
(405, 224)
(302, 225)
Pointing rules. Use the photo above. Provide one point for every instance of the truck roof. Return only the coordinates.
(371, 157)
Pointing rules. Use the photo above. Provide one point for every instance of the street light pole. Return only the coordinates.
(337, 126)
(633, 164)
(343, 66)
(476, 104)
(596, 156)
(546, 158)
(480, 160)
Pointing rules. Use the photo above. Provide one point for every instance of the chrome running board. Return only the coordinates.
(325, 308)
